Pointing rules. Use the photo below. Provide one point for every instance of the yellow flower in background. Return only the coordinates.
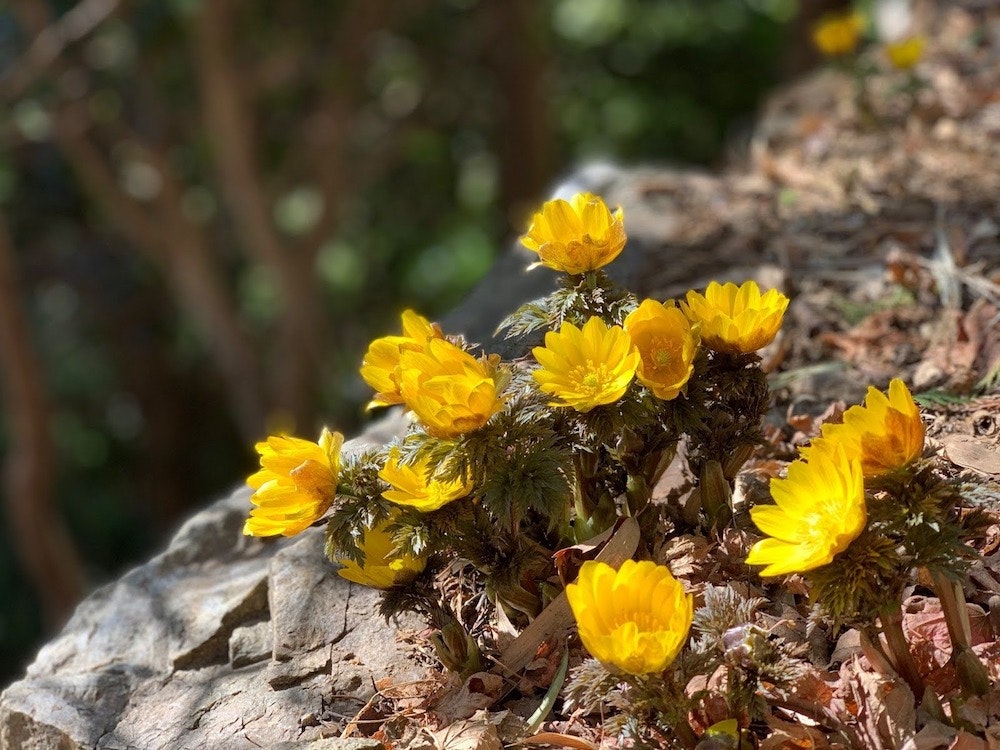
(667, 344)
(296, 483)
(380, 366)
(736, 319)
(415, 486)
(586, 368)
(885, 434)
(576, 236)
(383, 567)
(838, 35)
(819, 511)
(636, 618)
(906, 53)
(450, 391)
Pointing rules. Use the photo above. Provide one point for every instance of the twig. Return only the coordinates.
(51, 41)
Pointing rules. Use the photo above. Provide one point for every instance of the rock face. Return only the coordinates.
(221, 641)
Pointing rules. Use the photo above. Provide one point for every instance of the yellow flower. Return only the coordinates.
(636, 619)
(819, 511)
(587, 368)
(885, 434)
(905, 53)
(838, 34)
(296, 483)
(383, 567)
(380, 366)
(667, 345)
(449, 390)
(736, 319)
(576, 236)
(415, 485)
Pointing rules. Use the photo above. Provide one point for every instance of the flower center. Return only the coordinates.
(594, 377)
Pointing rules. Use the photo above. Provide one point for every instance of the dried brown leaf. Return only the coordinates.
(467, 735)
(558, 739)
(788, 736)
(479, 691)
(976, 453)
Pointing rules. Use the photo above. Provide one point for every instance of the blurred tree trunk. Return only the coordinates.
(36, 526)
(229, 121)
(524, 135)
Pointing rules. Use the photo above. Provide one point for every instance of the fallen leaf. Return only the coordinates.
(934, 736)
(966, 741)
(788, 736)
(467, 735)
(979, 454)
(560, 740)
(480, 691)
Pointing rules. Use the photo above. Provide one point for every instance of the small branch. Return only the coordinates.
(51, 40)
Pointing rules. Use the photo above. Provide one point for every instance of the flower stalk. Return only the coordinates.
(972, 674)
(891, 626)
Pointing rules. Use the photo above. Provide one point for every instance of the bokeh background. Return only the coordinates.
(209, 207)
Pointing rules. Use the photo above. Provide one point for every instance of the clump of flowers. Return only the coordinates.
(520, 472)
(859, 514)
(840, 37)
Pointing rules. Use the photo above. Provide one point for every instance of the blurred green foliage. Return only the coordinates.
(142, 429)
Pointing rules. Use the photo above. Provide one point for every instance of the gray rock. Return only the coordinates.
(352, 743)
(221, 641)
(251, 644)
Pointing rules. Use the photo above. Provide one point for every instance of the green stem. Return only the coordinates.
(582, 502)
(891, 618)
(873, 650)
(638, 494)
(972, 674)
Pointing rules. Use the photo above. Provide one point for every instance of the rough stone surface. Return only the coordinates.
(251, 644)
(221, 641)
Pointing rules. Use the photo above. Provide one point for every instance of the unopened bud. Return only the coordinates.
(972, 674)
(716, 495)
